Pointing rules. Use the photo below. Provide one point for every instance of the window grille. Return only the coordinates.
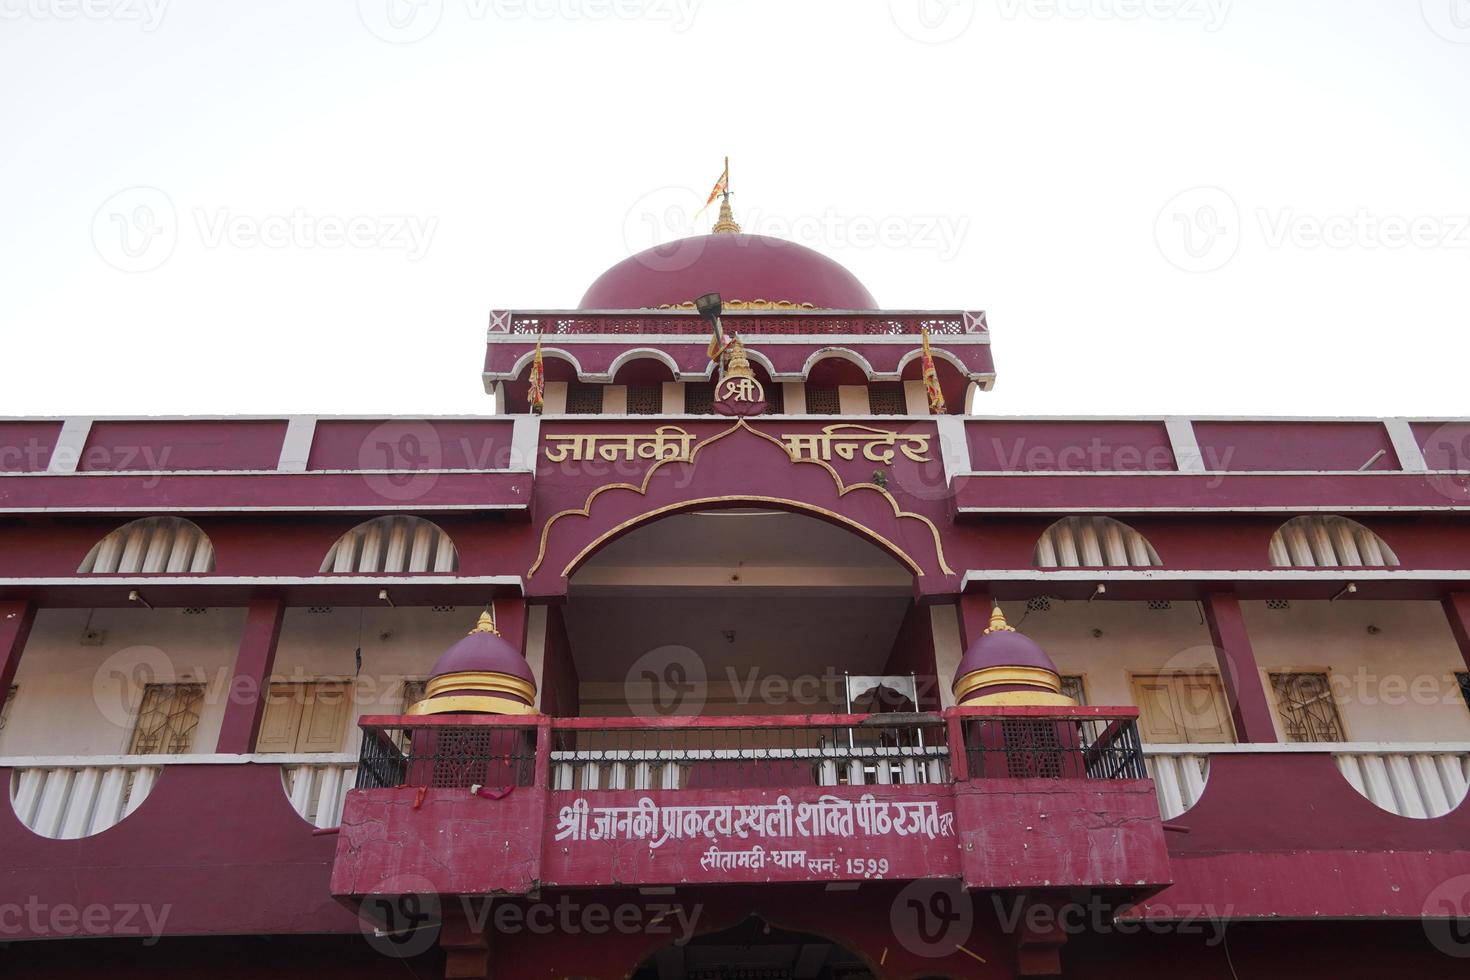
(1328, 542)
(1074, 688)
(1278, 604)
(393, 545)
(167, 719)
(151, 545)
(584, 399)
(1094, 542)
(699, 398)
(1462, 677)
(1040, 603)
(775, 398)
(887, 399)
(822, 401)
(1308, 712)
(645, 399)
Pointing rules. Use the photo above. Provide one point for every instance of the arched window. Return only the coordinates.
(1328, 541)
(393, 545)
(151, 546)
(1093, 542)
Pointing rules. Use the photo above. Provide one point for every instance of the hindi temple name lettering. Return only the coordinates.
(672, 442)
(830, 816)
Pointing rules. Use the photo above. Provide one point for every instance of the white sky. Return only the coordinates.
(1031, 165)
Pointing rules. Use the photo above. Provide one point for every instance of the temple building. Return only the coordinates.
(731, 643)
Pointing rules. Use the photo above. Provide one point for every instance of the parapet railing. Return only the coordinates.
(1421, 780)
(754, 323)
(1026, 742)
(749, 752)
(67, 797)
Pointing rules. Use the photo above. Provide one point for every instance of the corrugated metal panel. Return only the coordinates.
(1328, 542)
(393, 545)
(1094, 542)
(152, 545)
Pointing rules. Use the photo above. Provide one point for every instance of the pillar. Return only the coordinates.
(1457, 609)
(253, 664)
(975, 616)
(1250, 707)
(16, 619)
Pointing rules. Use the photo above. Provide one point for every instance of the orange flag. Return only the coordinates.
(538, 379)
(722, 186)
(931, 379)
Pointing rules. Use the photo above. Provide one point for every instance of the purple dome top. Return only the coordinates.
(483, 651)
(738, 267)
(1002, 646)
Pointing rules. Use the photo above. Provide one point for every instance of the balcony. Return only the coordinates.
(827, 798)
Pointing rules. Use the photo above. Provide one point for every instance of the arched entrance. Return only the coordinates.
(755, 949)
(738, 611)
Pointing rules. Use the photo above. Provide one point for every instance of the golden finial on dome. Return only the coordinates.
(726, 225)
(998, 622)
(486, 623)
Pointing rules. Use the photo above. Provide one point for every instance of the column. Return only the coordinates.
(1249, 706)
(16, 619)
(1457, 609)
(975, 610)
(251, 682)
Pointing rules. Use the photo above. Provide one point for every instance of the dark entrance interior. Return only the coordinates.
(754, 950)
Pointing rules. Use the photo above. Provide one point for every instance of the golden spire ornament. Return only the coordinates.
(998, 622)
(726, 225)
(486, 623)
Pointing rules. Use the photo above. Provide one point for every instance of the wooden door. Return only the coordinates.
(304, 718)
(1182, 708)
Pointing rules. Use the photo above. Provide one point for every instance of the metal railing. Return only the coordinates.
(844, 750)
(579, 754)
(1051, 743)
(491, 752)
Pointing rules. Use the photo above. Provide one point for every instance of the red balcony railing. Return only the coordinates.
(747, 323)
(749, 753)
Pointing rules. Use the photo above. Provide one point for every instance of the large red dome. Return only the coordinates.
(741, 268)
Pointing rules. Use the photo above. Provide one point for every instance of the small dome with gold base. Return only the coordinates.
(1004, 667)
(481, 674)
